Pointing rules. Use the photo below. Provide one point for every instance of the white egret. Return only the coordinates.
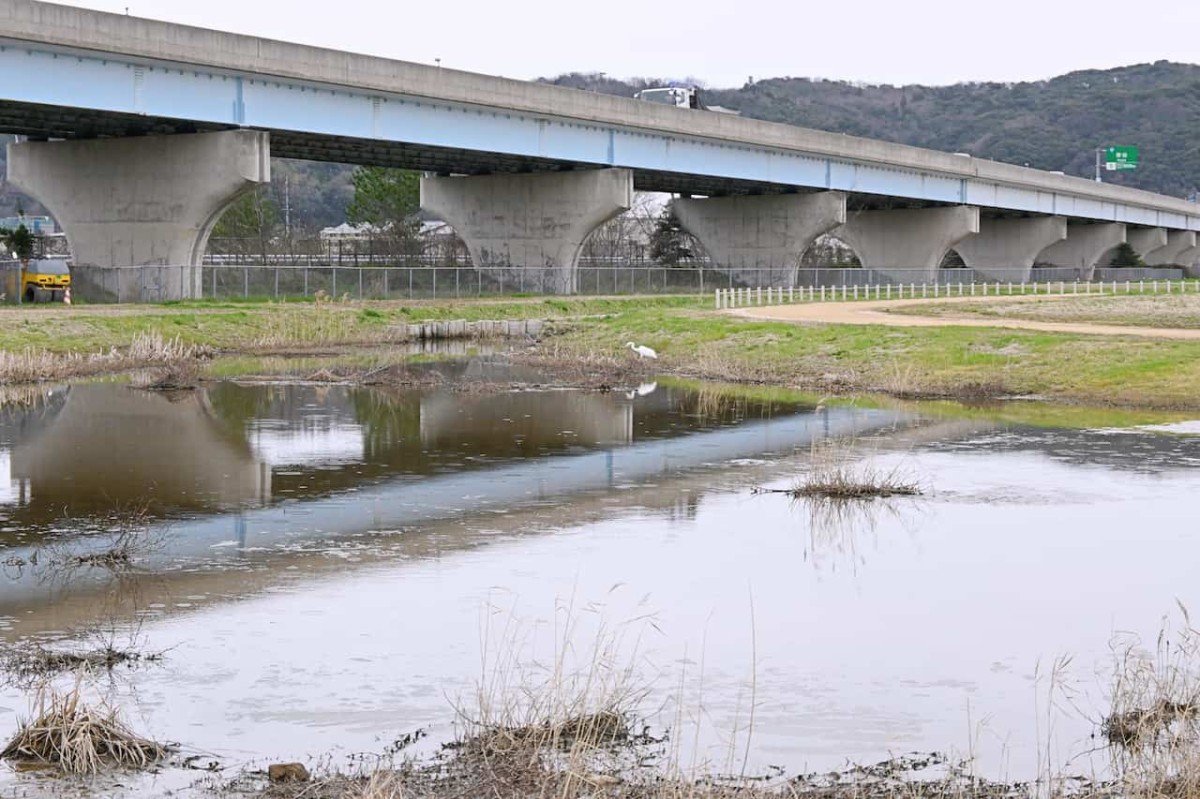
(642, 350)
(643, 390)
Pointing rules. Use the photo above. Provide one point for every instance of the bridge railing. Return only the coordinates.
(931, 290)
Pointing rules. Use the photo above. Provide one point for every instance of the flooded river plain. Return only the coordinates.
(327, 568)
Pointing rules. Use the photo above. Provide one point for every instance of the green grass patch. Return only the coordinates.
(692, 341)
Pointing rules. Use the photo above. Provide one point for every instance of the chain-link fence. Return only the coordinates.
(230, 281)
(450, 282)
(463, 282)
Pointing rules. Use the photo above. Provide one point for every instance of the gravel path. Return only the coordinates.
(876, 313)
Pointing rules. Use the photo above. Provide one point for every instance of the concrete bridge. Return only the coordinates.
(141, 133)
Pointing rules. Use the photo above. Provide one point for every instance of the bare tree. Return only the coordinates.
(625, 238)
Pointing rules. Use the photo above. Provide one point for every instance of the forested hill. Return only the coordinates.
(1054, 124)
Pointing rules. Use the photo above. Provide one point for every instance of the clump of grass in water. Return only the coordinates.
(562, 728)
(1153, 727)
(26, 663)
(534, 728)
(836, 477)
(78, 738)
(850, 482)
(178, 376)
(128, 540)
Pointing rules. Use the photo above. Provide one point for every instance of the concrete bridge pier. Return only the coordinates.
(1146, 240)
(1171, 254)
(759, 239)
(529, 223)
(1084, 246)
(1005, 249)
(1190, 261)
(907, 244)
(148, 201)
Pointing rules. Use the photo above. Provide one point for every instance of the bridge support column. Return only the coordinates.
(529, 227)
(148, 201)
(1004, 249)
(759, 239)
(907, 244)
(1146, 240)
(1084, 246)
(1189, 259)
(1171, 254)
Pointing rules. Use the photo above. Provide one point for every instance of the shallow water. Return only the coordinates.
(333, 567)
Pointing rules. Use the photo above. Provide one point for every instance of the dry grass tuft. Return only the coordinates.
(150, 347)
(178, 376)
(146, 349)
(851, 482)
(78, 738)
(34, 366)
(26, 663)
(837, 476)
(542, 728)
(318, 323)
(1153, 727)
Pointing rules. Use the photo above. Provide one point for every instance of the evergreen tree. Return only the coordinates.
(20, 242)
(1125, 255)
(389, 200)
(670, 243)
(383, 197)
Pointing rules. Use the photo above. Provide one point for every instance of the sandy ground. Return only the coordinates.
(872, 312)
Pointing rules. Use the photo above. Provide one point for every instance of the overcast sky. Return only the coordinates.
(722, 42)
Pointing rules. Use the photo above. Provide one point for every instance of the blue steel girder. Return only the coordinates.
(500, 139)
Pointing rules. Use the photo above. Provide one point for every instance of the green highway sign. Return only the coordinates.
(1120, 158)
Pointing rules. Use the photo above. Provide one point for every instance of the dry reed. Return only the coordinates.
(851, 482)
(67, 733)
(146, 349)
(25, 664)
(318, 323)
(836, 476)
(1153, 727)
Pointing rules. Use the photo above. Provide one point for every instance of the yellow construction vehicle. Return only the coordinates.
(45, 280)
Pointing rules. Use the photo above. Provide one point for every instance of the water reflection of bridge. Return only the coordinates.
(99, 447)
(92, 449)
(233, 452)
(497, 421)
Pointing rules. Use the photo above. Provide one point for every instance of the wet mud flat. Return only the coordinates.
(457, 367)
(315, 572)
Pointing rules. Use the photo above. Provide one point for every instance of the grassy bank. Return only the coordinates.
(958, 362)
(692, 340)
(258, 326)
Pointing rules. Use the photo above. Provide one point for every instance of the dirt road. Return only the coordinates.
(876, 313)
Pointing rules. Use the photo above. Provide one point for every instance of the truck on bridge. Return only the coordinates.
(680, 97)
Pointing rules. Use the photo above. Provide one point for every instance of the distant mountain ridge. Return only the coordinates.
(1055, 124)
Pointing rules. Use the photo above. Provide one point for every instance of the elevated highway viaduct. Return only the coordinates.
(140, 133)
